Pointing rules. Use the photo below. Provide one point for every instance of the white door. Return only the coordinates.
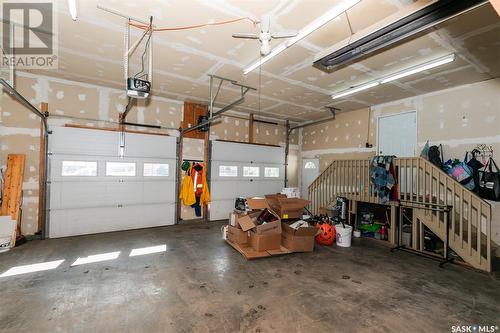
(243, 170)
(93, 189)
(310, 171)
(397, 134)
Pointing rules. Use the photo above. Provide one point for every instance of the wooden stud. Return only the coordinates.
(12, 191)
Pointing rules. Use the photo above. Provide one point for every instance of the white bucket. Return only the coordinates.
(343, 235)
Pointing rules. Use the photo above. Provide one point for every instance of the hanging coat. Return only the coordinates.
(198, 178)
(187, 194)
(205, 195)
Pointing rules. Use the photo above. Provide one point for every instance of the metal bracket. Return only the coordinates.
(243, 88)
(310, 123)
(213, 96)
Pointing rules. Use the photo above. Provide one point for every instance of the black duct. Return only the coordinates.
(410, 25)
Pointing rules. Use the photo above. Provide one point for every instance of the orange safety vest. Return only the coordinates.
(197, 177)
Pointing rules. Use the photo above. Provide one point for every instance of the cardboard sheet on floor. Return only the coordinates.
(249, 253)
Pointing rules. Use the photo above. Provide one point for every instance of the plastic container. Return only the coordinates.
(356, 233)
(5, 244)
(343, 235)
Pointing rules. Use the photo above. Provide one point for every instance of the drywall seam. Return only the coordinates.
(316, 152)
(104, 103)
(205, 82)
(429, 94)
(44, 82)
(445, 40)
(465, 141)
(6, 131)
(87, 85)
(41, 89)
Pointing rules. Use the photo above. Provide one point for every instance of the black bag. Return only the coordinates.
(436, 155)
(475, 165)
(489, 182)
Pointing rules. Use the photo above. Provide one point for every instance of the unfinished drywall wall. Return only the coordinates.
(458, 118)
(79, 103)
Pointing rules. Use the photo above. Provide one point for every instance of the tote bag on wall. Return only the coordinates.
(489, 181)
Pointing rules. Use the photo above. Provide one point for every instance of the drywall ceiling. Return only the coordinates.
(90, 50)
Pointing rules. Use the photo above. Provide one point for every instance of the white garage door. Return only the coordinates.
(242, 170)
(95, 190)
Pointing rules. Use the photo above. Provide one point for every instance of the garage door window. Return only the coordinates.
(79, 168)
(228, 171)
(155, 170)
(271, 172)
(120, 169)
(250, 171)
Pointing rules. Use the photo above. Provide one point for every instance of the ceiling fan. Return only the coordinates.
(265, 35)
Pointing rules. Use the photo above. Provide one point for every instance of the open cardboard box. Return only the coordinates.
(287, 208)
(249, 222)
(299, 240)
(257, 203)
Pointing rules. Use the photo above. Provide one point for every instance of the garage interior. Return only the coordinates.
(250, 166)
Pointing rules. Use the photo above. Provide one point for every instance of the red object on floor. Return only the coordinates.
(327, 235)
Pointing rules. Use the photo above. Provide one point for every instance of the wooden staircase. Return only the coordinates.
(422, 182)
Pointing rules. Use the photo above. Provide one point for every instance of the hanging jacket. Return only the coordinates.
(198, 178)
(187, 194)
(205, 195)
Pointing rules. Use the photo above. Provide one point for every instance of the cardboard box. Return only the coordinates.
(299, 240)
(257, 203)
(265, 242)
(287, 208)
(249, 222)
(291, 192)
(236, 235)
(234, 216)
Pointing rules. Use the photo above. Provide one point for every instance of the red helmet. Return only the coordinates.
(327, 235)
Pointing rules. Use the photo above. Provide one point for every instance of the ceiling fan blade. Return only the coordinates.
(245, 35)
(284, 34)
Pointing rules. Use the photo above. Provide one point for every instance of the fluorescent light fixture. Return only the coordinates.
(148, 250)
(419, 68)
(304, 32)
(96, 258)
(407, 72)
(43, 266)
(72, 9)
(356, 89)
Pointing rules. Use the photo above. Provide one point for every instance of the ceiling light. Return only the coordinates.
(407, 72)
(304, 32)
(419, 68)
(43, 266)
(356, 89)
(72, 9)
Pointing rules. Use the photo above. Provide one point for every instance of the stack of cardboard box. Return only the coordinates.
(264, 230)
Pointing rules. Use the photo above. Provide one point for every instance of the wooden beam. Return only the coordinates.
(12, 190)
(250, 129)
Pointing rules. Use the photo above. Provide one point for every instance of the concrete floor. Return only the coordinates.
(200, 284)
